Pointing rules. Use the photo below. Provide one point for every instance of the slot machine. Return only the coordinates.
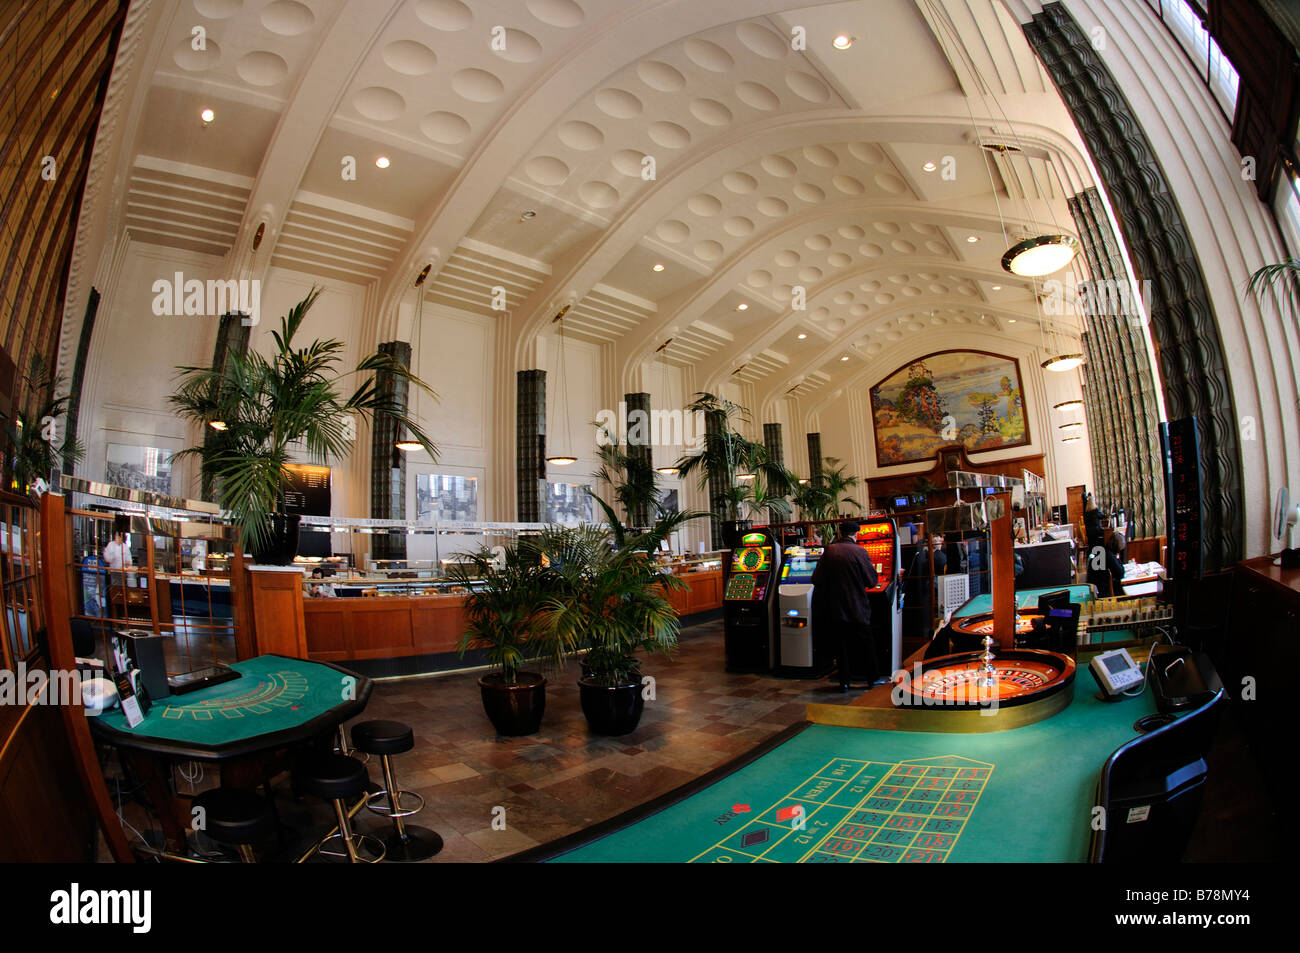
(798, 652)
(879, 537)
(749, 603)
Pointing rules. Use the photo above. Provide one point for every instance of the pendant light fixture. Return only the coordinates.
(1040, 256)
(1034, 256)
(1070, 404)
(562, 403)
(405, 443)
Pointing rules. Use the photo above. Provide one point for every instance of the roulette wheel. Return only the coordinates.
(963, 680)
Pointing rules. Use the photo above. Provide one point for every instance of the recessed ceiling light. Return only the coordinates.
(527, 214)
(972, 239)
(382, 162)
(742, 307)
(207, 116)
(844, 358)
(1011, 320)
(803, 336)
(842, 42)
(997, 287)
(658, 268)
(929, 167)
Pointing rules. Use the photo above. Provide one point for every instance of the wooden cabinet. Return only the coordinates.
(383, 627)
(703, 592)
(1262, 630)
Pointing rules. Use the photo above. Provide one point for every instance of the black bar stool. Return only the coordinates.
(406, 842)
(332, 777)
(234, 818)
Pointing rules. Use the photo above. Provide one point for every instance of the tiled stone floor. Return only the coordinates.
(564, 779)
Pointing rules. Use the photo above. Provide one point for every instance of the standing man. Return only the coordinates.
(839, 603)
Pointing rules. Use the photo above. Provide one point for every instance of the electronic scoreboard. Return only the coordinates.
(749, 603)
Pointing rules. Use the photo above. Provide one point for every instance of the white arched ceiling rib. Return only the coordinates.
(696, 299)
(303, 121)
(584, 266)
(620, 38)
(837, 347)
(724, 362)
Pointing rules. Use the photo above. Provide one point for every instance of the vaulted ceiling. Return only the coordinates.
(562, 150)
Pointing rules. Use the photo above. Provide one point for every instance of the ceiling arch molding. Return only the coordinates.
(716, 369)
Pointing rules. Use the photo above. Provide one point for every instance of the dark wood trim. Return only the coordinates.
(54, 595)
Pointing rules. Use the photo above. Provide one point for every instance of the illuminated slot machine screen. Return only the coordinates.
(750, 567)
(798, 567)
(879, 540)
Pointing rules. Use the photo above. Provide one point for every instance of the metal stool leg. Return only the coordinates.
(246, 854)
(406, 842)
(351, 840)
(342, 748)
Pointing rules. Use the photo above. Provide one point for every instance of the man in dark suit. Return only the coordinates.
(840, 608)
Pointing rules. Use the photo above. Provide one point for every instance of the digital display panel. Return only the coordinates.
(798, 569)
(1115, 664)
(742, 587)
(753, 559)
(879, 540)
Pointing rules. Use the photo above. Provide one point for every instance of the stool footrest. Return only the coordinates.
(378, 804)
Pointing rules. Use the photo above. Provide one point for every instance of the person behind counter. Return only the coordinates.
(1094, 526)
(322, 589)
(1107, 572)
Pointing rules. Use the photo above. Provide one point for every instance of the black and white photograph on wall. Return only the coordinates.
(569, 504)
(139, 468)
(442, 497)
(669, 502)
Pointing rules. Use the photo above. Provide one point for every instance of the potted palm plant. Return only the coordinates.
(726, 460)
(33, 429)
(505, 594)
(258, 412)
(614, 603)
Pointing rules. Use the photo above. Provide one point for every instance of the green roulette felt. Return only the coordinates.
(828, 794)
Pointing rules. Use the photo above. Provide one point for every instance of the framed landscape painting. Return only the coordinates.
(969, 397)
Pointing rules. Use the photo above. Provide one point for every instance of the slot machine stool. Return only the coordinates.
(233, 817)
(385, 739)
(335, 778)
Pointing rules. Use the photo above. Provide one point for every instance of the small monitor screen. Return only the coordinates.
(901, 501)
(753, 559)
(798, 569)
(1115, 664)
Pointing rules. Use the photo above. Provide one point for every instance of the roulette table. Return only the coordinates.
(832, 794)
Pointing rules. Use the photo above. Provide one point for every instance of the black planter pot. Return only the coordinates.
(280, 544)
(514, 709)
(611, 711)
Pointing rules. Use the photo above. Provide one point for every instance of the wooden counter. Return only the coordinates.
(703, 592)
(380, 627)
(386, 627)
